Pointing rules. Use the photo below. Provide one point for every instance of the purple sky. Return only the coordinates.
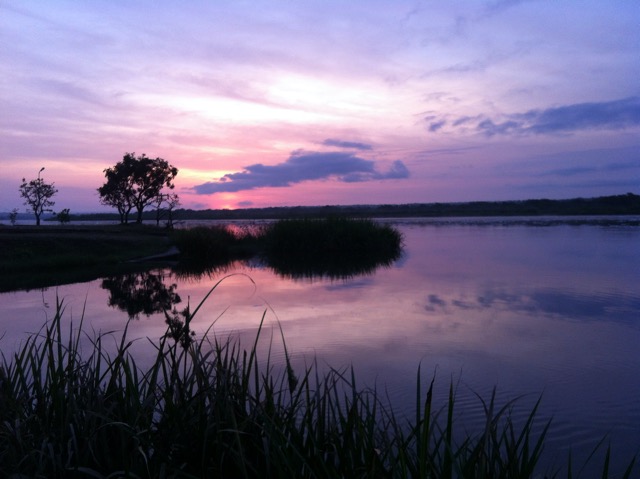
(270, 103)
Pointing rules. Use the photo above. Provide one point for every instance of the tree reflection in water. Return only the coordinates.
(141, 293)
(178, 326)
(153, 292)
(146, 293)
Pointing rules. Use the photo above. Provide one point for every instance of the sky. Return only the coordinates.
(282, 103)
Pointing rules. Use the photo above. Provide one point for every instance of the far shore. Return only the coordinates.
(624, 204)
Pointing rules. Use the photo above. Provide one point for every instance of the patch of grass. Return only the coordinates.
(32, 257)
(213, 244)
(334, 247)
(209, 408)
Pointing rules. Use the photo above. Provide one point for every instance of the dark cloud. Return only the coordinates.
(435, 303)
(435, 126)
(612, 115)
(569, 171)
(397, 171)
(346, 144)
(599, 162)
(501, 5)
(463, 119)
(303, 166)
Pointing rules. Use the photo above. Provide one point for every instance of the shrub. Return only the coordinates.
(335, 247)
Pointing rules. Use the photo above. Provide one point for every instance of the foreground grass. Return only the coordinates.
(210, 408)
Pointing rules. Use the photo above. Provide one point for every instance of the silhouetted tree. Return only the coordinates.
(136, 183)
(64, 216)
(37, 195)
(165, 204)
(13, 216)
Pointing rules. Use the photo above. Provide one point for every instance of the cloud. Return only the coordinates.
(436, 125)
(303, 166)
(570, 171)
(501, 5)
(346, 144)
(601, 162)
(612, 115)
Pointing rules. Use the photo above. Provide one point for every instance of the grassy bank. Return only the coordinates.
(206, 408)
(32, 257)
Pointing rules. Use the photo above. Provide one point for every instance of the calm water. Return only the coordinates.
(551, 310)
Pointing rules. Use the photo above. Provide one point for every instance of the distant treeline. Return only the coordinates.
(628, 204)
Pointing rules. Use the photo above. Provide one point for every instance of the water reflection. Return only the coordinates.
(197, 271)
(562, 304)
(553, 310)
(319, 268)
(141, 293)
(309, 268)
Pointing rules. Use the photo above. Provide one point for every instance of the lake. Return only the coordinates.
(529, 306)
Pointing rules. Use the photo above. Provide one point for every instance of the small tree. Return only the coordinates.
(165, 204)
(13, 216)
(37, 195)
(64, 216)
(136, 183)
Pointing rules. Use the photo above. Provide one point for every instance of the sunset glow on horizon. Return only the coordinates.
(315, 103)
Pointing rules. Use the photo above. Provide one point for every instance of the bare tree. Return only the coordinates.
(165, 204)
(37, 195)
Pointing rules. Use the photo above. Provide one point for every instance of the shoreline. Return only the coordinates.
(48, 255)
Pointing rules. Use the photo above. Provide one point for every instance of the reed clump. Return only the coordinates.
(213, 244)
(334, 247)
(317, 247)
(209, 408)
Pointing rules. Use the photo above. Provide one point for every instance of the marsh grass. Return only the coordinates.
(209, 408)
(213, 244)
(333, 247)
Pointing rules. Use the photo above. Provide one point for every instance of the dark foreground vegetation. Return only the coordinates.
(210, 408)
